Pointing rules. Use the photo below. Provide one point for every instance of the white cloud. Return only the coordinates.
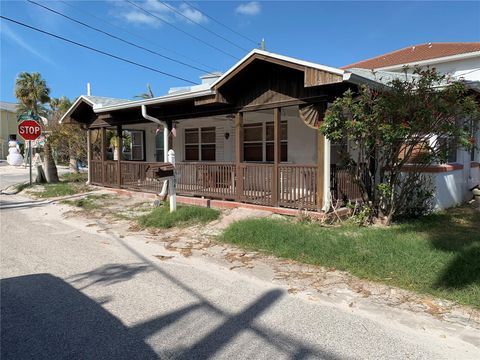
(16, 39)
(192, 14)
(133, 15)
(251, 8)
(137, 17)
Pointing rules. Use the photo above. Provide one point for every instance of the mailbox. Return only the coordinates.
(160, 171)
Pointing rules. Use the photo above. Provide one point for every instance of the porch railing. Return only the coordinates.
(342, 185)
(297, 184)
(216, 180)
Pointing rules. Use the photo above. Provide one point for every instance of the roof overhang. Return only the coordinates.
(433, 61)
(154, 101)
(315, 74)
(81, 99)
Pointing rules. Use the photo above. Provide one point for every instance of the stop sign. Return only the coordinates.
(29, 129)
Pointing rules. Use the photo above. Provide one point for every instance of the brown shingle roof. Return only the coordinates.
(416, 53)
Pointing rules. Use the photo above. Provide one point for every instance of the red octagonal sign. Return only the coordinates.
(29, 129)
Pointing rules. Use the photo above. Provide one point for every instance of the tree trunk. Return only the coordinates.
(50, 168)
(73, 164)
(40, 175)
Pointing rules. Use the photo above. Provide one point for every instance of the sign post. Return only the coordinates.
(29, 130)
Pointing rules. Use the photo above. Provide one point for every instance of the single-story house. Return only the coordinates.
(249, 135)
(8, 126)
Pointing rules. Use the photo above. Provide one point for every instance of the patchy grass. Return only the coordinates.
(75, 177)
(22, 186)
(437, 255)
(89, 202)
(161, 217)
(60, 189)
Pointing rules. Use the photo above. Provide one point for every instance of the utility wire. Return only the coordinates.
(181, 30)
(134, 34)
(203, 27)
(222, 24)
(97, 50)
(117, 38)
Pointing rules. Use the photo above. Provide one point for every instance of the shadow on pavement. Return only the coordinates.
(43, 317)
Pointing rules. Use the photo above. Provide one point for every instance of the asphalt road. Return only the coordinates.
(71, 291)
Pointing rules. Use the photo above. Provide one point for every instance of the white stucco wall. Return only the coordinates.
(469, 69)
(450, 188)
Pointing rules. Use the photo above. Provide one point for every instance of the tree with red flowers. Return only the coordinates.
(413, 122)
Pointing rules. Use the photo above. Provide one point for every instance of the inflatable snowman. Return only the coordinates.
(14, 158)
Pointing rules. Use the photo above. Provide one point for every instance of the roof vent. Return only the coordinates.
(210, 77)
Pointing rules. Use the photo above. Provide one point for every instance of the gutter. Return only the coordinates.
(165, 141)
(158, 100)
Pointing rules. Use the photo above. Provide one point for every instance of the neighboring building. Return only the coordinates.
(8, 126)
(461, 61)
(249, 135)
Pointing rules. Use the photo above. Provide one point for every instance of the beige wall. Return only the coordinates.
(8, 125)
(302, 140)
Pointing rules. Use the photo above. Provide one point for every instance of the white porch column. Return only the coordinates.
(327, 196)
(172, 191)
(89, 155)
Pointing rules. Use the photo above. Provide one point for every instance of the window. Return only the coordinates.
(448, 149)
(253, 142)
(133, 145)
(200, 144)
(258, 139)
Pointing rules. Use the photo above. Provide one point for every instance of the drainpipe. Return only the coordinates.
(165, 141)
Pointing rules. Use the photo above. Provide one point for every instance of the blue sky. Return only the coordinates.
(330, 33)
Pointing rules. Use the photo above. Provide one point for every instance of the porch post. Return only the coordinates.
(89, 156)
(119, 156)
(277, 115)
(323, 172)
(103, 152)
(239, 155)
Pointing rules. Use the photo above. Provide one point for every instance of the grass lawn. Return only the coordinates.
(438, 254)
(161, 217)
(89, 202)
(61, 189)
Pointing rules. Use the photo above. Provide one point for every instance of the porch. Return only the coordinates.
(250, 135)
(293, 186)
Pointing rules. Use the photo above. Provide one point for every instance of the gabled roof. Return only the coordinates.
(8, 106)
(94, 102)
(418, 53)
(274, 58)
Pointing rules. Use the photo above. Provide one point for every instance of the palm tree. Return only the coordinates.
(147, 95)
(32, 94)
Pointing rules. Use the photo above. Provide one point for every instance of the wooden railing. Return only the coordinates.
(96, 172)
(298, 186)
(134, 177)
(215, 180)
(257, 183)
(342, 185)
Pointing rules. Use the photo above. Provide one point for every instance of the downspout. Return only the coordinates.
(165, 141)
